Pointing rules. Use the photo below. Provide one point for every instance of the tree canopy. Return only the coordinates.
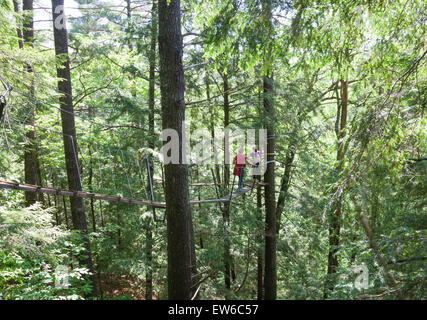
(340, 88)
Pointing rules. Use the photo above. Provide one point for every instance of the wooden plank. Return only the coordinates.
(256, 184)
(236, 193)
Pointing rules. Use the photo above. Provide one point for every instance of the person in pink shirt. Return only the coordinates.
(240, 161)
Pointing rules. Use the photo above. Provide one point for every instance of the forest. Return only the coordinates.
(213, 150)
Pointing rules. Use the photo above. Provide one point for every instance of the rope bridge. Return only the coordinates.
(11, 124)
(82, 194)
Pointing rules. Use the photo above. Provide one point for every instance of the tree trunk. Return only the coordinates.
(335, 216)
(259, 250)
(30, 156)
(212, 128)
(64, 203)
(129, 17)
(227, 256)
(228, 260)
(128, 9)
(226, 138)
(69, 132)
(151, 124)
(270, 278)
(178, 214)
(195, 277)
(19, 25)
(92, 201)
(55, 201)
(285, 184)
(149, 262)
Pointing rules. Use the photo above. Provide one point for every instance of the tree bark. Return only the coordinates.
(19, 25)
(285, 184)
(69, 132)
(129, 10)
(31, 164)
(64, 203)
(270, 279)
(259, 250)
(90, 182)
(212, 128)
(178, 214)
(228, 259)
(129, 17)
(226, 138)
(151, 124)
(335, 216)
(149, 262)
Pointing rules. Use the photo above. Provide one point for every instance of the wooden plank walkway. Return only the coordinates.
(82, 194)
(236, 193)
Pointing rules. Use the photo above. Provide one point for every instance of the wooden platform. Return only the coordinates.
(236, 193)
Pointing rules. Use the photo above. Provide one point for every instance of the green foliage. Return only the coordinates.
(35, 257)
(310, 46)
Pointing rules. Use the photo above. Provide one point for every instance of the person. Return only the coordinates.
(240, 161)
(256, 158)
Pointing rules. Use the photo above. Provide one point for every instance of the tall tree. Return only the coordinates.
(129, 20)
(260, 286)
(270, 279)
(31, 164)
(151, 144)
(69, 133)
(226, 124)
(226, 209)
(285, 184)
(212, 114)
(335, 215)
(172, 86)
(17, 10)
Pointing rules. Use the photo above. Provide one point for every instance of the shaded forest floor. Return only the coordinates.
(122, 287)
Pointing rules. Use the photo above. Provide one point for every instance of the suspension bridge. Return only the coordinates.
(9, 124)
